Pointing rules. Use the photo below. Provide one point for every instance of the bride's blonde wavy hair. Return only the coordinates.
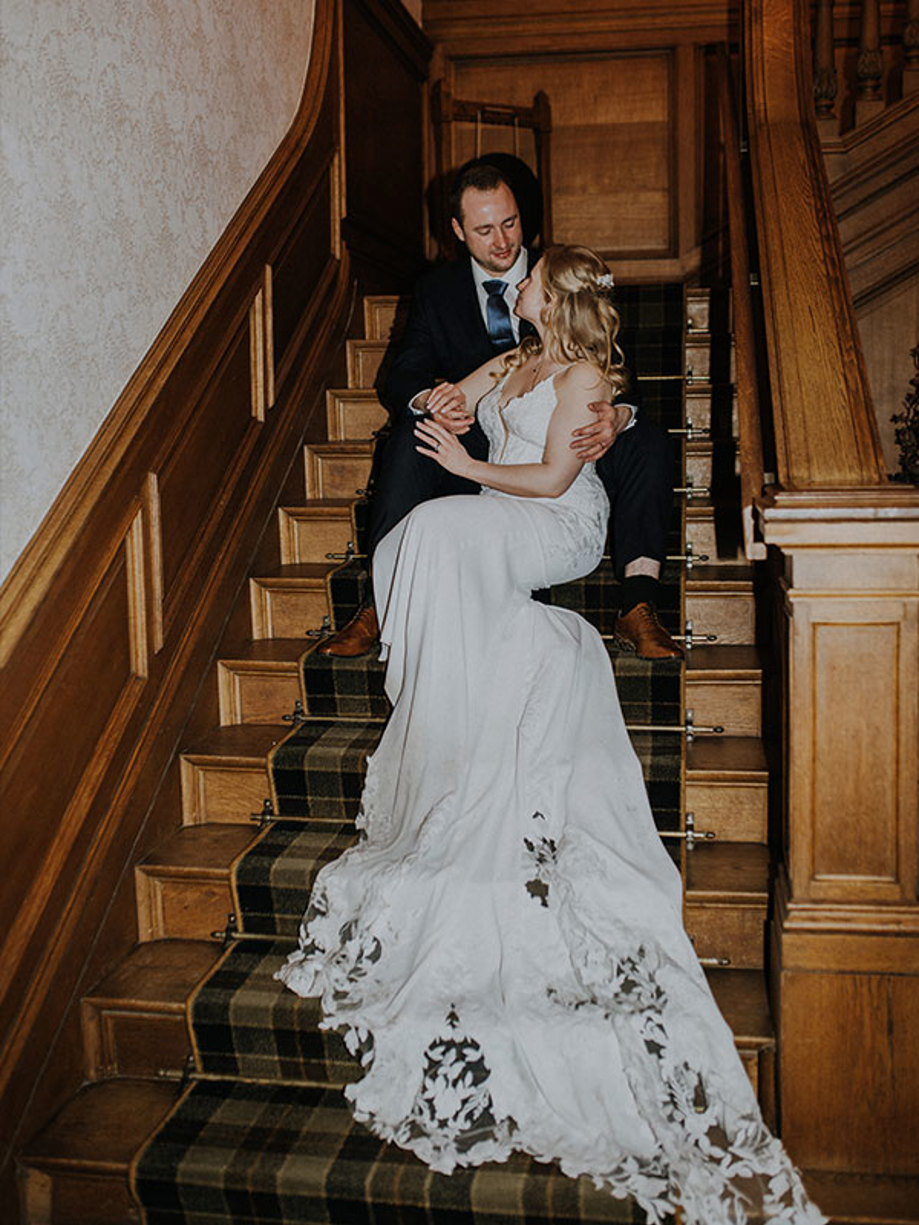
(581, 322)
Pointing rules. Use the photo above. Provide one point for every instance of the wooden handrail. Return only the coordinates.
(826, 432)
(748, 415)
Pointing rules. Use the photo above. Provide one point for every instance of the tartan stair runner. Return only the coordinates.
(263, 1134)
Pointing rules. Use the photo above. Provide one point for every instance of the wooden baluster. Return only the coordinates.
(870, 66)
(825, 69)
(911, 49)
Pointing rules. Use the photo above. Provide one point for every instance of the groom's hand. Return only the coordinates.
(447, 406)
(592, 441)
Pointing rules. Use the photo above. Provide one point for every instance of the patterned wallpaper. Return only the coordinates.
(131, 133)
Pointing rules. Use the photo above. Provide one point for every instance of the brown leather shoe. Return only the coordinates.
(359, 636)
(640, 631)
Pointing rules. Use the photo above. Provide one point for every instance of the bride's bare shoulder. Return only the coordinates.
(582, 377)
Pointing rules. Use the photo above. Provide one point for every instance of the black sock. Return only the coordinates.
(638, 589)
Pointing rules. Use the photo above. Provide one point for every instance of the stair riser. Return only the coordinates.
(309, 538)
(707, 409)
(253, 694)
(66, 1198)
(734, 812)
(335, 476)
(379, 317)
(287, 610)
(223, 791)
(731, 617)
(352, 418)
(144, 1045)
(180, 907)
(364, 357)
(702, 361)
(733, 705)
(724, 930)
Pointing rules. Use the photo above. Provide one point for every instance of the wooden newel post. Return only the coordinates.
(870, 66)
(824, 64)
(911, 49)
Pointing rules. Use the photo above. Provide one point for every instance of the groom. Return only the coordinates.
(461, 315)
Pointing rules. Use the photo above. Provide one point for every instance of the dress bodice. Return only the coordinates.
(516, 434)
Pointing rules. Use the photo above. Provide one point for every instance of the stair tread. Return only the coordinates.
(722, 871)
(348, 446)
(310, 571)
(310, 506)
(722, 662)
(732, 576)
(101, 1127)
(270, 650)
(733, 756)
(162, 972)
(207, 848)
(356, 393)
(249, 742)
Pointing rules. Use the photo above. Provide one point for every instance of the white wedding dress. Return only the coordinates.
(504, 947)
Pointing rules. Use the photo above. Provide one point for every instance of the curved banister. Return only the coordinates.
(750, 440)
(826, 433)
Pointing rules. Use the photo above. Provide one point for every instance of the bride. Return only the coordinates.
(503, 948)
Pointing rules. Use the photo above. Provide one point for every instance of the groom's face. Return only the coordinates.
(490, 227)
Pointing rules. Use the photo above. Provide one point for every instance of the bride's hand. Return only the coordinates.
(441, 446)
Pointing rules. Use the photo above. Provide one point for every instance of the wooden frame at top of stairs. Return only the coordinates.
(112, 615)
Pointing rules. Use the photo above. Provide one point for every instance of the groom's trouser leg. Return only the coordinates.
(637, 473)
(404, 479)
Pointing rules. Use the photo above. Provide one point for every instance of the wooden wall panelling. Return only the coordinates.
(298, 272)
(465, 27)
(164, 513)
(386, 60)
(613, 142)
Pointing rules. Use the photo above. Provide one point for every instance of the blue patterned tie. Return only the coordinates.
(497, 316)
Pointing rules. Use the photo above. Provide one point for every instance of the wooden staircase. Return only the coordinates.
(136, 1047)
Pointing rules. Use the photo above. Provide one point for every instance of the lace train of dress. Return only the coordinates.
(504, 947)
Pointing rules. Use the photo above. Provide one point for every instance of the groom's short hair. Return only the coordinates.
(479, 175)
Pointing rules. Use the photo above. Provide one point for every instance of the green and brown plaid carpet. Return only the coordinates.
(263, 1135)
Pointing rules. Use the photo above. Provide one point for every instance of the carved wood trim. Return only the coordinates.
(825, 427)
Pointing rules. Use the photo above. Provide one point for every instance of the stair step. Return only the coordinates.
(711, 461)
(724, 688)
(698, 308)
(712, 407)
(719, 600)
(381, 313)
(741, 996)
(75, 1170)
(337, 469)
(291, 600)
(303, 1150)
(225, 773)
(262, 682)
(725, 901)
(354, 413)
(316, 528)
(241, 1001)
(183, 885)
(727, 785)
(363, 360)
(713, 530)
(708, 357)
(134, 1019)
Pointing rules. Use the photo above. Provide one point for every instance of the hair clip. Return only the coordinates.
(606, 280)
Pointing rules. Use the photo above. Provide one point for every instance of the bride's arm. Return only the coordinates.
(575, 388)
(453, 403)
